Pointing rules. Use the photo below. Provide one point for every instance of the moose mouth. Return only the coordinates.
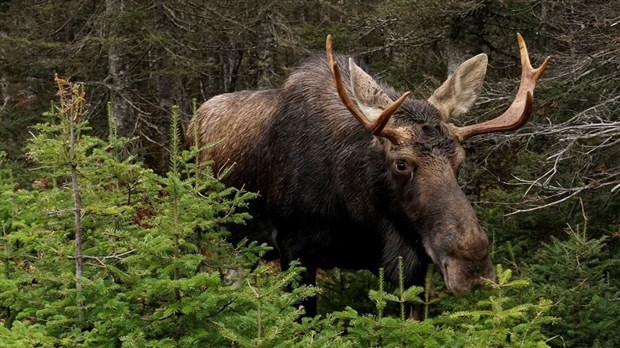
(463, 278)
(457, 290)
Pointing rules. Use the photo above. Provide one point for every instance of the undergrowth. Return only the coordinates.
(153, 268)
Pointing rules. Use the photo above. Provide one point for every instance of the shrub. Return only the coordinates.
(581, 276)
(102, 252)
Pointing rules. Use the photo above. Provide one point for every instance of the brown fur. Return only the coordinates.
(330, 192)
(231, 141)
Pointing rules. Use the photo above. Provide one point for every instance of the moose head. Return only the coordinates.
(423, 153)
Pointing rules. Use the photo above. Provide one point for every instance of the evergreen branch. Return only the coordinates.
(107, 257)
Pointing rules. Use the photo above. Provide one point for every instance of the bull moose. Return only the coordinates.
(352, 174)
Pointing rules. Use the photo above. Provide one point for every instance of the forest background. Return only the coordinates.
(547, 194)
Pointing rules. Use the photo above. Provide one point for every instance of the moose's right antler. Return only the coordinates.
(519, 111)
(377, 126)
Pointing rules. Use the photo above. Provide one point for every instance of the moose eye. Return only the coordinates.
(401, 166)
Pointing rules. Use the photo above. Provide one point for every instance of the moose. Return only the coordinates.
(353, 174)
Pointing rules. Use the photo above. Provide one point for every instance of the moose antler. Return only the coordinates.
(377, 126)
(519, 111)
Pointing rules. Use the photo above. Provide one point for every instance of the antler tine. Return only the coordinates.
(525, 61)
(329, 51)
(382, 120)
(519, 111)
(342, 92)
(376, 127)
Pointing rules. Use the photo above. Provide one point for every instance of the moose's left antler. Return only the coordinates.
(519, 111)
(377, 126)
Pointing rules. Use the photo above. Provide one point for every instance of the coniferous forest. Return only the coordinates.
(113, 234)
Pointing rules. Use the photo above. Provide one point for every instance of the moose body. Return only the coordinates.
(356, 183)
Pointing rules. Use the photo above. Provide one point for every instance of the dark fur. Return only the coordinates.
(329, 195)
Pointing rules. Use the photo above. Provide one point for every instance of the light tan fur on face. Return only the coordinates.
(437, 170)
(404, 134)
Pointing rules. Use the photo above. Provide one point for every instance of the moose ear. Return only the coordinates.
(460, 91)
(370, 97)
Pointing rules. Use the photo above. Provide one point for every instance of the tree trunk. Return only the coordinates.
(265, 63)
(4, 93)
(169, 89)
(118, 73)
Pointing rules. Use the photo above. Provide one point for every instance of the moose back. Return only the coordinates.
(352, 174)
